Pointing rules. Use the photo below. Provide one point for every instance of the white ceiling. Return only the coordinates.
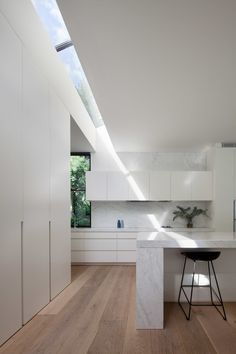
(163, 72)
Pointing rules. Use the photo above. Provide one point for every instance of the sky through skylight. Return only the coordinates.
(52, 20)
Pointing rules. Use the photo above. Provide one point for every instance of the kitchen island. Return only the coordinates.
(150, 268)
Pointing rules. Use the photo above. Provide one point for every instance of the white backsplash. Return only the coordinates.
(143, 214)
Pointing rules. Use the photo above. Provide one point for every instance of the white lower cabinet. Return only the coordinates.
(126, 256)
(93, 256)
(114, 247)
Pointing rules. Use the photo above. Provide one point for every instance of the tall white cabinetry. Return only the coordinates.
(224, 175)
(11, 182)
(34, 188)
(36, 164)
(60, 255)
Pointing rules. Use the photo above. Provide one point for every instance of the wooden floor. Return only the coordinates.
(96, 315)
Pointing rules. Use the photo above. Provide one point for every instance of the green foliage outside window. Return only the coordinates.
(80, 207)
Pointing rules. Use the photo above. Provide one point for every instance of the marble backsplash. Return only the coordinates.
(143, 214)
(166, 161)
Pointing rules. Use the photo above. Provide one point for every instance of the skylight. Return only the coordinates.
(53, 22)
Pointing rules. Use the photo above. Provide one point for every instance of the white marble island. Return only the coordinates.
(150, 268)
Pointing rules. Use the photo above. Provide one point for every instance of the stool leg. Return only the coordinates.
(218, 289)
(182, 278)
(191, 294)
(209, 272)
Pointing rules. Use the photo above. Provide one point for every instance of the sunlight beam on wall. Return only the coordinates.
(103, 133)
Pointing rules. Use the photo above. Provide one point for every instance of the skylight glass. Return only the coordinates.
(52, 20)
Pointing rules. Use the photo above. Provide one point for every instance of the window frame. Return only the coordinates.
(90, 215)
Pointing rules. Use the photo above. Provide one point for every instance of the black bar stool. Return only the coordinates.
(209, 257)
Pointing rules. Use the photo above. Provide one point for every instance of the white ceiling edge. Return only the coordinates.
(25, 22)
(78, 141)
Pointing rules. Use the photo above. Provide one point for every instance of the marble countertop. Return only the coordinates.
(193, 239)
(138, 229)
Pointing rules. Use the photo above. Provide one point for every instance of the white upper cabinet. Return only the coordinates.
(201, 185)
(191, 185)
(11, 181)
(181, 185)
(36, 142)
(160, 185)
(96, 185)
(117, 186)
(155, 185)
(138, 185)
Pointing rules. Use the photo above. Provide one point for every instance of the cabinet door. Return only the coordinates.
(138, 186)
(11, 182)
(36, 190)
(60, 196)
(117, 186)
(159, 185)
(181, 185)
(96, 185)
(223, 189)
(201, 186)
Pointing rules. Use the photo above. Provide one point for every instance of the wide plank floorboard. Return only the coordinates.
(95, 314)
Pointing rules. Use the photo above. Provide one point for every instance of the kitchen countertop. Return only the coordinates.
(193, 239)
(139, 229)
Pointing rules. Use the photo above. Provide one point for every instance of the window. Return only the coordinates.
(80, 207)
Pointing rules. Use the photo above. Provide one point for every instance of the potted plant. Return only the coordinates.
(189, 214)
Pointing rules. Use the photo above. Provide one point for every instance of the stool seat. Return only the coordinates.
(201, 255)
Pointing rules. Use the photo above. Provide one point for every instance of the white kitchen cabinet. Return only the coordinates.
(191, 185)
(138, 185)
(181, 185)
(113, 247)
(60, 255)
(160, 185)
(126, 257)
(96, 185)
(223, 189)
(126, 244)
(93, 244)
(11, 182)
(94, 235)
(201, 185)
(36, 189)
(117, 186)
(93, 256)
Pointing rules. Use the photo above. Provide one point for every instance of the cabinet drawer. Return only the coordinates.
(95, 235)
(93, 256)
(126, 235)
(126, 245)
(93, 244)
(126, 256)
